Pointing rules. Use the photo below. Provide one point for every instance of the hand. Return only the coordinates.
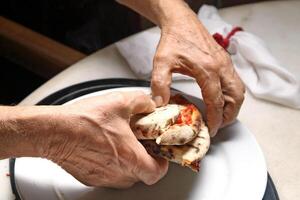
(94, 143)
(186, 47)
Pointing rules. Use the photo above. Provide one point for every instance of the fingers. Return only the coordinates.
(214, 101)
(149, 169)
(233, 90)
(138, 102)
(161, 81)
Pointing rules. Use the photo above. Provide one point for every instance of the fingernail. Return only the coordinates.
(213, 132)
(158, 100)
(153, 103)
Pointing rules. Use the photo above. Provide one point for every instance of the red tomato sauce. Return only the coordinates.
(185, 116)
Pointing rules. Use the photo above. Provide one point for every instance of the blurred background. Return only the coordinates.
(38, 39)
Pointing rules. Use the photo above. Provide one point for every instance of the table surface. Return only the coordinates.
(275, 127)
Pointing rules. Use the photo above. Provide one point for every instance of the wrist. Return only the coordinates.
(161, 12)
(24, 131)
(172, 12)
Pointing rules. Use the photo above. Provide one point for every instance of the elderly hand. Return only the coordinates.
(95, 144)
(187, 48)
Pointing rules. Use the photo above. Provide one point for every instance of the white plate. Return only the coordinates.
(234, 169)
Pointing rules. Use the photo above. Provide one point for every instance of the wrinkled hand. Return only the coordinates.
(94, 143)
(187, 48)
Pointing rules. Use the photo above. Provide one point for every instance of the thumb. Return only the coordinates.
(149, 169)
(161, 82)
(139, 102)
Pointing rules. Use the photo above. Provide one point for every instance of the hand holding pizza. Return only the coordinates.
(97, 146)
(186, 47)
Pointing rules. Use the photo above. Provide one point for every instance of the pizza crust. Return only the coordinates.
(156, 123)
(188, 155)
(162, 125)
(175, 132)
(176, 135)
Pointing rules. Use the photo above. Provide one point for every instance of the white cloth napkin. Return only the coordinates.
(259, 70)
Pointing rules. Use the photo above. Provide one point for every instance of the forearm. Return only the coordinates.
(22, 129)
(161, 12)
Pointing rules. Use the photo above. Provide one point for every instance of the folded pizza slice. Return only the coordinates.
(188, 155)
(173, 124)
(175, 131)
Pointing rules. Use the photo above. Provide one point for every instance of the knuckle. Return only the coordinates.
(228, 118)
(159, 81)
(119, 99)
(161, 58)
(210, 62)
(239, 94)
(239, 98)
(239, 83)
(218, 61)
(217, 102)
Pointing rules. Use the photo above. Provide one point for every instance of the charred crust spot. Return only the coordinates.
(156, 151)
(196, 165)
(144, 134)
(168, 154)
(151, 148)
(182, 140)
